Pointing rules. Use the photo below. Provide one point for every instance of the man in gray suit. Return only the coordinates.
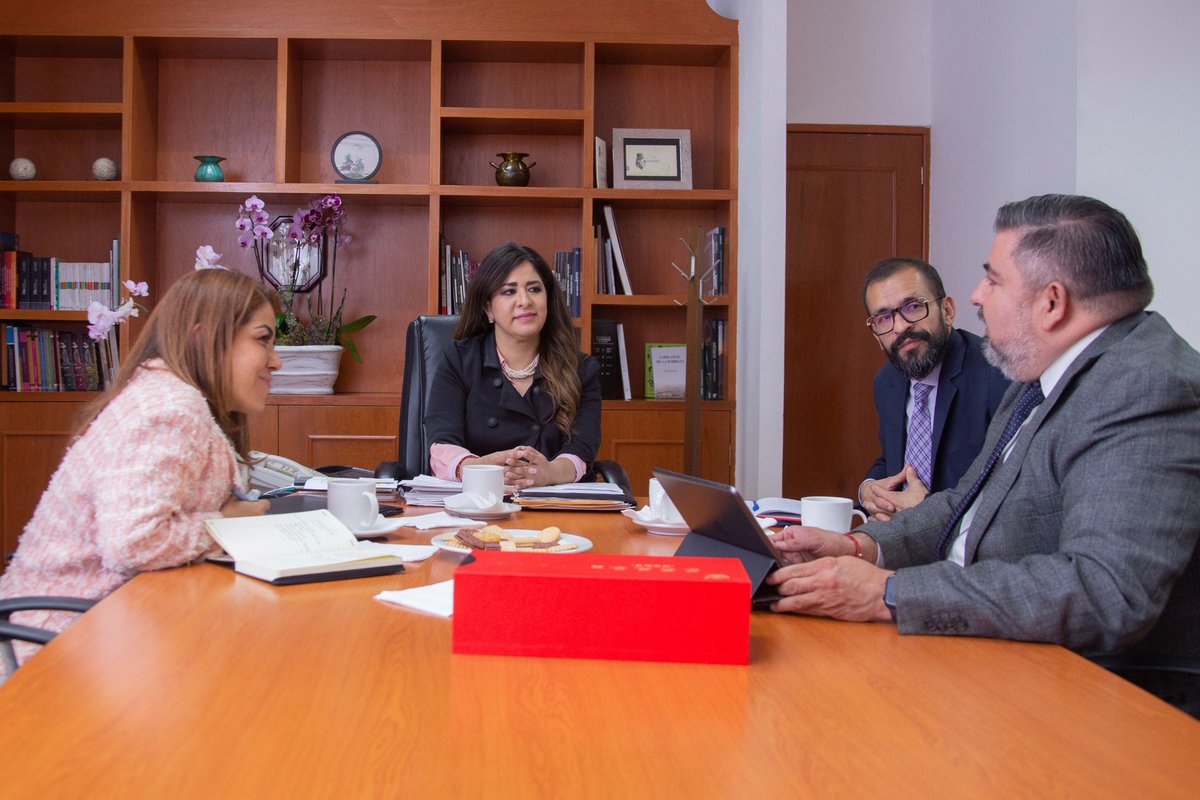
(1080, 528)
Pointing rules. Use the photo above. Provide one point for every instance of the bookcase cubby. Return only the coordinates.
(443, 94)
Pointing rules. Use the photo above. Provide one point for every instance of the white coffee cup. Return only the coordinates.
(661, 506)
(483, 484)
(830, 513)
(354, 502)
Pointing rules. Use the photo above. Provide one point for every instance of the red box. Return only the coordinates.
(647, 608)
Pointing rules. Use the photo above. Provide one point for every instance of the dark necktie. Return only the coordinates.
(1027, 402)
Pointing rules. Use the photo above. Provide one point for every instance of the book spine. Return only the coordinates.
(624, 353)
(78, 347)
(24, 279)
(66, 369)
(618, 254)
(6, 281)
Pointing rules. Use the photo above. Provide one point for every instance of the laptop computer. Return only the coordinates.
(723, 525)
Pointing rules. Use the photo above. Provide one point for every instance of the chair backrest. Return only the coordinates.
(424, 349)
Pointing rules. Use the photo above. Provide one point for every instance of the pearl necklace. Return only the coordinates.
(520, 374)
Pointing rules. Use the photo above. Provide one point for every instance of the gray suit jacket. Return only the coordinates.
(1086, 535)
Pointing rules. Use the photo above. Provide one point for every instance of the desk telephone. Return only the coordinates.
(276, 472)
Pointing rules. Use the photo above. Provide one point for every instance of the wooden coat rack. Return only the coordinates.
(694, 338)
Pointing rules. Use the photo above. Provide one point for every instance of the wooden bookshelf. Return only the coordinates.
(443, 88)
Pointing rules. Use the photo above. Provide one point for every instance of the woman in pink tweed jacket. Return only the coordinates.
(158, 454)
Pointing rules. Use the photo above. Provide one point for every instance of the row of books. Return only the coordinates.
(613, 277)
(455, 270)
(665, 363)
(45, 360)
(48, 283)
(712, 263)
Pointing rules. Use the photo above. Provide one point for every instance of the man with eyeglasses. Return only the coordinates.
(937, 395)
(1079, 521)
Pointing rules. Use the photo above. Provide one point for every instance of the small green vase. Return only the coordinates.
(210, 168)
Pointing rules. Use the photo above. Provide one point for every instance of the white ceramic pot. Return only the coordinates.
(307, 369)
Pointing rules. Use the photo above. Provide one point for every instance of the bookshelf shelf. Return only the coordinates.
(36, 315)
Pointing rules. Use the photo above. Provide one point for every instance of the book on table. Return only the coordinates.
(300, 548)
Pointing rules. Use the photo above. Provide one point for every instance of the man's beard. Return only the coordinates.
(1016, 354)
(921, 362)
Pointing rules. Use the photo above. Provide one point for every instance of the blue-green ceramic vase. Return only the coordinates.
(210, 168)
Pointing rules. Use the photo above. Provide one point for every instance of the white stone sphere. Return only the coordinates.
(22, 169)
(104, 169)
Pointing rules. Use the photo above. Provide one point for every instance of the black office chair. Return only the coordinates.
(1175, 679)
(428, 338)
(25, 633)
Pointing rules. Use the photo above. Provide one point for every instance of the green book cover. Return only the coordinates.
(665, 365)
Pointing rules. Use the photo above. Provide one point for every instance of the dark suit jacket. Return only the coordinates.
(1086, 535)
(472, 405)
(969, 390)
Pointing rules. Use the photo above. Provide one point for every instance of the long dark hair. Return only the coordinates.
(192, 330)
(557, 352)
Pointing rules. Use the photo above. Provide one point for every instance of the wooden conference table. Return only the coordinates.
(197, 682)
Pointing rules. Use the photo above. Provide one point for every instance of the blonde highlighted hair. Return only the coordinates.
(192, 329)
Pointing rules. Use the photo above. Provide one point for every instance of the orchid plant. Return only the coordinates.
(101, 318)
(319, 224)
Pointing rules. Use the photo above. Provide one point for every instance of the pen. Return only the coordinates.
(249, 497)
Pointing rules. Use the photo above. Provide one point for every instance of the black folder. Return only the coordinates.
(722, 525)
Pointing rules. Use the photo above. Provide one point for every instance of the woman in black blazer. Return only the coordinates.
(513, 388)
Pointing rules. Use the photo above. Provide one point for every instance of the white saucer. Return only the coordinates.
(653, 526)
(382, 525)
(502, 511)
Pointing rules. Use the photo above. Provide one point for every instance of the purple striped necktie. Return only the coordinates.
(919, 451)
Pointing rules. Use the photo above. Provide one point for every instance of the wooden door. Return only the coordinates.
(854, 195)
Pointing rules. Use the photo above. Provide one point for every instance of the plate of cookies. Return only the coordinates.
(519, 540)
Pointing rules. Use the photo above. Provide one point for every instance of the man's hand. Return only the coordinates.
(846, 588)
(883, 498)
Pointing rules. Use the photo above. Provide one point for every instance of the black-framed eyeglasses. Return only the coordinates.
(912, 310)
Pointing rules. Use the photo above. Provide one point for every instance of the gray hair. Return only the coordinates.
(1087, 245)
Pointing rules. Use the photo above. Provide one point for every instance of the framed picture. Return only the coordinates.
(356, 157)
(650, 158)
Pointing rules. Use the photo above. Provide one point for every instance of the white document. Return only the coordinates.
(435, 598)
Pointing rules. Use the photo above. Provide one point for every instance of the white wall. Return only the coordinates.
(1003, 123)
(1096, 97)
(858, 62)
(1138, 149)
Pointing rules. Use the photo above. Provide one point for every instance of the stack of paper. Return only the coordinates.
(426, 490)
(320, 483)
(593, 496)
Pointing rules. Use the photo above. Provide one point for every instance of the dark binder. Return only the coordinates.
(605, 349)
